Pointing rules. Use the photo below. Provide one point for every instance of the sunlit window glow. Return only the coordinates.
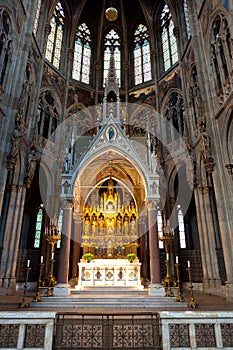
(142, 61)
(82, 54)
(112, 44)
(54, 43)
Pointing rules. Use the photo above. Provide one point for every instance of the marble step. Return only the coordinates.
(109, 290)
(108, 302)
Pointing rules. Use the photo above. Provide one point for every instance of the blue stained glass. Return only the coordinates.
(82, 54)
(142, 65)
(55, 38)
(39, 219)
(169, 44)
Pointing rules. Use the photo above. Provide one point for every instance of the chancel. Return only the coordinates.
(116, 161)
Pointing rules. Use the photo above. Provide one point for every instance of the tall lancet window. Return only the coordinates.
(54, 43)
(142, 62)
(186, 16)
(169, 45)
(112, 44)
(37, 17)
(82, 54)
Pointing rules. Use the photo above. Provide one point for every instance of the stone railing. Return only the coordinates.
(26, 330)
(163, 330)
(197, 330)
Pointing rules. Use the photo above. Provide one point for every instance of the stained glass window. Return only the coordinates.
(169, 45)
(54, 43)
(82, 54)
(160, 228)
(39, 220)
(186, 16)
(181, 227)
(60, 219)
(142, 62)
(37, 18)
(112, 44)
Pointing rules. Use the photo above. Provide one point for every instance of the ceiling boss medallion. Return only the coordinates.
(111, 13)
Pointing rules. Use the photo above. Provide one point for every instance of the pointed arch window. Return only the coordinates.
(112, 44)
(5, 45)
(186, 17)
(142, 61)
(160, 228)
(180, 216)
(39, 222)
(60, 220)
(37, 17)
(54, 43)
(169, 45)
(82, 54)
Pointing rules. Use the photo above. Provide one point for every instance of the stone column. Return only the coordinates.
(62, 287)
(207, 240)
(155, 288)
(12, 236)
(143, 250)
(76, 249)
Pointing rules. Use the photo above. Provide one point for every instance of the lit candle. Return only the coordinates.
(167, 255)
(188, 263)
(28, 263)
(41, 259)
(177, 260)
(52, 256)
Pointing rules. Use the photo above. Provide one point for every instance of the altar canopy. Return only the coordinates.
(110, 221)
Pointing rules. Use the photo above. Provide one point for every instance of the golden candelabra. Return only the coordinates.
(168, 279)
(52, 237)
(192, 303)
(51, 278)
(24, 303)
(179, 297)
(167, 238)
(38, 296)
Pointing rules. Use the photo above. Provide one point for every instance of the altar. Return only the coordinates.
(109, 272)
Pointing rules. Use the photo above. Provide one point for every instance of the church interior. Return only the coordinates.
(116, 156)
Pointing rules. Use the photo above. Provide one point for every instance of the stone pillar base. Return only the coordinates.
(61, 290)
(156, 290)
(229, 291)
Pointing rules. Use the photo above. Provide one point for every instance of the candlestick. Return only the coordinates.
(38, 296)
(23, 303)
(167, 256)
(179, 297)
(28, 263)
(52, 255)
(188, 263)
(192, 303)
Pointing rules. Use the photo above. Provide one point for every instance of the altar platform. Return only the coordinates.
(109, 272)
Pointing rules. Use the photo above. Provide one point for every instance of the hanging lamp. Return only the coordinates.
(111, 12)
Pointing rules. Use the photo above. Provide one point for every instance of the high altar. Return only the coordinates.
(110, 233)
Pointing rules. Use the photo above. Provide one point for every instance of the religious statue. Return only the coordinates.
(31, 168)
(67, 162)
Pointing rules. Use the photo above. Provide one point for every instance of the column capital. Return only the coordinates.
(67, 203)
(152, 204)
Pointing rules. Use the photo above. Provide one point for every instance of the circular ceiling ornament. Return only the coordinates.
(111, 14)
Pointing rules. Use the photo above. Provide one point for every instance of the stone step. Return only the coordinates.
(101, 301)
(109, 290)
